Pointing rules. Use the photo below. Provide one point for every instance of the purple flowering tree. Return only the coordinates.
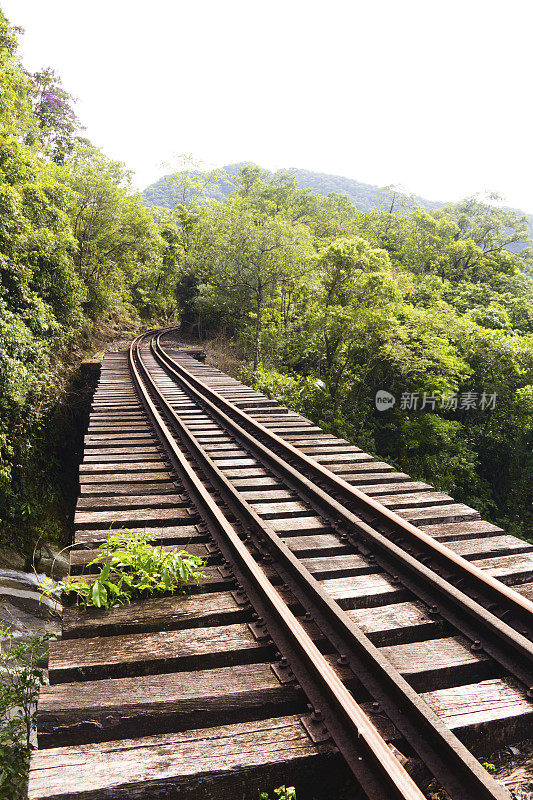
(53, 108)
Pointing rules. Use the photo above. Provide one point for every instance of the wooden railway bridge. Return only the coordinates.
(403, 638)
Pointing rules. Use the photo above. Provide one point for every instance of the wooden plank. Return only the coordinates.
(141, 465)
(108, 489)
(461, 530)
(509, 569)
(287, 509)
(383, 486)
(413, 499)
(489, 546)
(447, 513)
(135, 517)
(214, 581)
(130, 501)
(486, 715)
(121, 477)
(255, 495)
(439, 663)
(337, 566)
(364, 591)
(94, 711)
(326, 545)
(146, 653)
(235, 463)
(176, 612)
(397, 623)
(223, 762)
(167, 534)
(131, 454)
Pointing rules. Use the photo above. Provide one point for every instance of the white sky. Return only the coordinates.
(435, 96)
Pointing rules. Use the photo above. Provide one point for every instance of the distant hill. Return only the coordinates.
(365, 196)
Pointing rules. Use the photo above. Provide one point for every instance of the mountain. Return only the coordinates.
(365, 196)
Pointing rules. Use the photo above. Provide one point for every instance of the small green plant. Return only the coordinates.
(130, 568)
(282, 793)
(488, 766)
(21, 675)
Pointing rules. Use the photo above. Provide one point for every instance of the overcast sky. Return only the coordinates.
(430, 95)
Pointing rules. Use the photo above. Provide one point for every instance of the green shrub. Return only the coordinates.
(130, 568)
(282, 793)
(20, 679)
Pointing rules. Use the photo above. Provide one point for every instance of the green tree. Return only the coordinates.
(118, 241)
(53, 109)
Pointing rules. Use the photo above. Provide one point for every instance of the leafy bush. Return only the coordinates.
(130, 568)
(282, 793)
(20, 678)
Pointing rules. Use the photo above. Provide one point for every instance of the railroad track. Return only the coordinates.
(353, 622)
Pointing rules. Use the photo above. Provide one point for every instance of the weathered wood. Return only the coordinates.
(96, 711)
(446, 513)
(383, 487)
(236, 463)
(398, 623)
(108, 489)
(255, 495)
(509, 569)
(141, 465)
(298, 525)
(221, 763)
(287, 509)
(337, 566)
(177, 612)
(128, 500)
(326, 545)
(489, 546)
(525, 589)
(214, 581)
(364, 591)
(161, 651)
(167, 534)
(134, 517)
(413, 500)
(130, 454)
(439, 663)
(468, 529)
(121, 477)
(486, 715)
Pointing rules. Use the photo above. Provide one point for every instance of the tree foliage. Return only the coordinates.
(325, 302)
(415, 303)
(75, 244)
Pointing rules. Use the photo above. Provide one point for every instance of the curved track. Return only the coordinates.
(447, 759)
(257, 497)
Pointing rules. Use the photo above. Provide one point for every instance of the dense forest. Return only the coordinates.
(365, 196)
(327, 306)
(78, 251)
(315, 301)
(164, 192)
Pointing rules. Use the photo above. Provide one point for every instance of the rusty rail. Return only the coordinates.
(367, 754)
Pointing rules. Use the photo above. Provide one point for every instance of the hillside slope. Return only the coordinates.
(365, 196)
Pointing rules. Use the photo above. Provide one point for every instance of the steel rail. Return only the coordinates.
(385, 778)
(441, 592)
(451, 763)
